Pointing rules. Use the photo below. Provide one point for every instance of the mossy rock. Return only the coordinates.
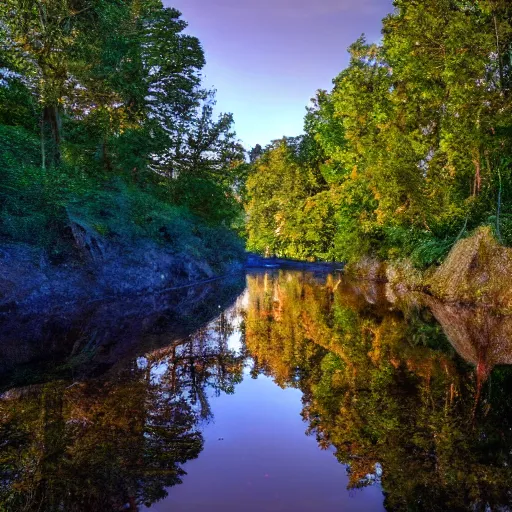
(478, 270)
(402, 276)
(368, 269)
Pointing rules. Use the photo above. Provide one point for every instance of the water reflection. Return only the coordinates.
(115, 442)
(383, 386)
(418, 407)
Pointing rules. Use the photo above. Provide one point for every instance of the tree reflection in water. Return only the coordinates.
(421, 406)
(383, 386)
(115, 442)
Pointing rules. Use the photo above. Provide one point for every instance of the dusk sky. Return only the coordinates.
(267, 58)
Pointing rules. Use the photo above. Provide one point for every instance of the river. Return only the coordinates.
(302, 392)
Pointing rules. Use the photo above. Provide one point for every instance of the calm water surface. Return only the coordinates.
(308, 393)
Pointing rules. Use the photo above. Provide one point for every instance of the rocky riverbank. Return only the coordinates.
(476, 272)
(100, 269)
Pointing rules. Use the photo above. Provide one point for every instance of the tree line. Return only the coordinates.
(409, 151)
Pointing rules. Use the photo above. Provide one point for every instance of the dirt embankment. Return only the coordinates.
(100, 269)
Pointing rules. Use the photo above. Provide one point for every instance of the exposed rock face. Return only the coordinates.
(102, 269)
(401, 276)
(99, 304)
(478, 270)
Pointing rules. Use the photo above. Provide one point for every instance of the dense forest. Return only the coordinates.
(409, 151)
(105, 124)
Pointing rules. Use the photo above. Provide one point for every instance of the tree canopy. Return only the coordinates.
(106, 97)
(412, 146)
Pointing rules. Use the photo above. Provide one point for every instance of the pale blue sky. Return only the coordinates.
(267, 58)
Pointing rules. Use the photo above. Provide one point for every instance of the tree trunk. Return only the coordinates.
(43, 146)
(52, 127)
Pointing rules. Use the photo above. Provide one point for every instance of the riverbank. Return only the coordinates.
(476, 272)
(118, 241)
(29, 282)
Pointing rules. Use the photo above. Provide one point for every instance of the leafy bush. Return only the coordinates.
(37, 205)
(505, 228)
(431, 252)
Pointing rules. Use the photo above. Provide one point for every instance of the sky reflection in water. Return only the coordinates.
(233, 417)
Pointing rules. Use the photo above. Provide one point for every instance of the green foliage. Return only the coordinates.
(211, 201)
(413, 142)
(431, 252)
(103, 120)
(505, 227)
(30, 199)
(280, 204)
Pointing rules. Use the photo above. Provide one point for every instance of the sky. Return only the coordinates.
(267, 58)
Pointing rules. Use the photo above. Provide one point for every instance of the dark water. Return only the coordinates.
(305, 393)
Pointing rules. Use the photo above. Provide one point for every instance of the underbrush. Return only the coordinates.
(37, 207)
